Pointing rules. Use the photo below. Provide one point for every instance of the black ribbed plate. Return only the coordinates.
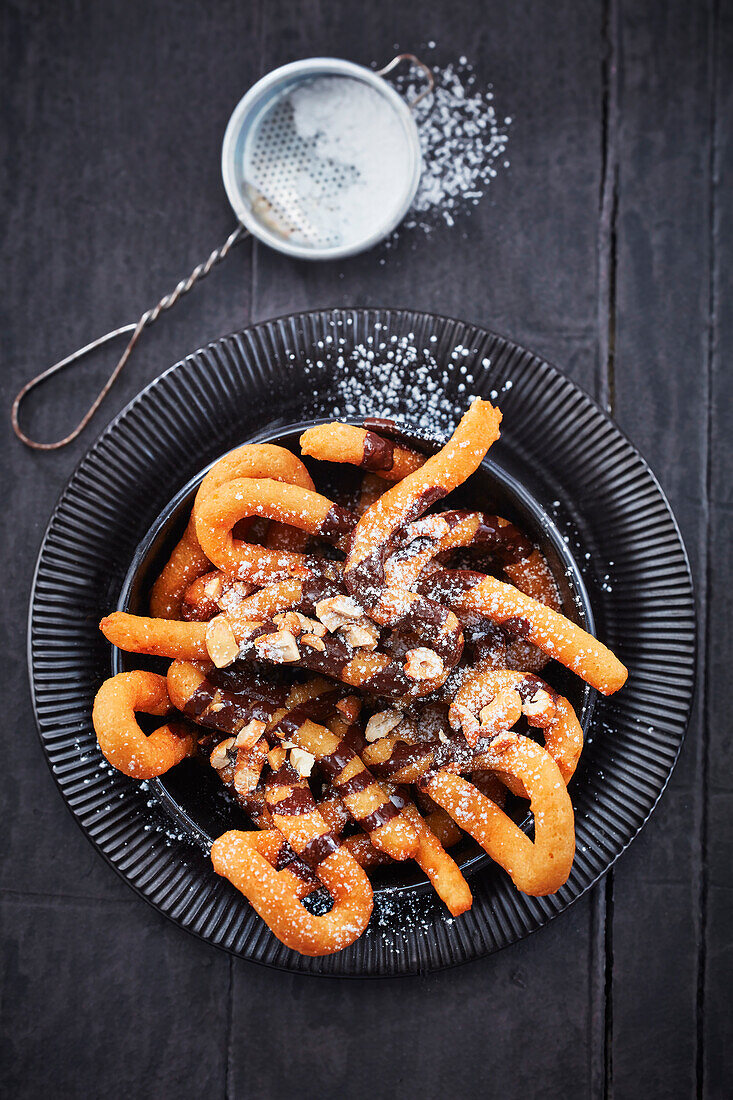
(421, 369)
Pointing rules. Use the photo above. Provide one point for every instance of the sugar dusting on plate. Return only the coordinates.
(412, 381)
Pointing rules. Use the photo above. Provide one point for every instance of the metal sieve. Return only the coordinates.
(292, 190)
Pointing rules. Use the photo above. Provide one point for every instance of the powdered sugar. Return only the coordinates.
(463, 141)
(346, 123)
(398, 378)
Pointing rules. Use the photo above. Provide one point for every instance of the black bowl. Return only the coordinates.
(562, 451)
(191, 794)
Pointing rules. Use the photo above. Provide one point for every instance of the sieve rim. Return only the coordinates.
(245, 108)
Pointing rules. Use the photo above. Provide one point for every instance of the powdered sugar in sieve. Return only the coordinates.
(328, 163)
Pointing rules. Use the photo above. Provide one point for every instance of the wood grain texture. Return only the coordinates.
(659, 391)
(606, 247)
(716, 977)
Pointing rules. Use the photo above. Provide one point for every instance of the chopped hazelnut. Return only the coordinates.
(338, 611)
(279, 647)
(423, 664)
(302, 761)
(249, 734)
(379, 725)
(213, 587)
(487, 713)
(461, 716)
(246, 777)
(290, 621)
(362, 635)
(219, 757)
(232, 594)
(540, 705)
(221, 645)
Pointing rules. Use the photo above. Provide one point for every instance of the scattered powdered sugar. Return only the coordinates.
(463, 142)
(398, 377)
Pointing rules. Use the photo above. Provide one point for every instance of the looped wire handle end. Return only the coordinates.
(426, 71)
(151, 315)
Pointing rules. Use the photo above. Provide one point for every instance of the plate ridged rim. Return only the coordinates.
(187, 416)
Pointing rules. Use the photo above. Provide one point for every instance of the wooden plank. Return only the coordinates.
(513, 1025)
(114, 192)
(661, 58)
(108, 999)
(112, 126)
(716, 1069)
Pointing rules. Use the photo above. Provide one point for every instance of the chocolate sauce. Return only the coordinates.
(320, 848)
(404, 755)
(202, 698)
(517, 625)
(232, 712)
(378, 452)
(378, 817)
(365, 579)
(448, 585)
(400, 797)
(506, 541)
(315, 589)
(359, 782)
(423, 501)
(299, 801)
(335, 762)
(338, 522)
(428, 616)
(530, 685)
(386, 427)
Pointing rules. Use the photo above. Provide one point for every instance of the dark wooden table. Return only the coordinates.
(607, 247)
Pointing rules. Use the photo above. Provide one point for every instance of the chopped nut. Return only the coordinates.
(213, 587)
(313, 642)
(279, 647)
(246, 777)
(221, 645)
(540, 705)
(461, 716)
(487, 713)
(379, 725)
(362, 635)
(219, 757)
(249, 734)
(302, 761)
(297, 623)
(423, 664)
(290, 621)
(338, 611)
(232, 594)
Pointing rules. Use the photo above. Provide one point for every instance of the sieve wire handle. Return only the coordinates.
(135, 328)
(426, 71)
